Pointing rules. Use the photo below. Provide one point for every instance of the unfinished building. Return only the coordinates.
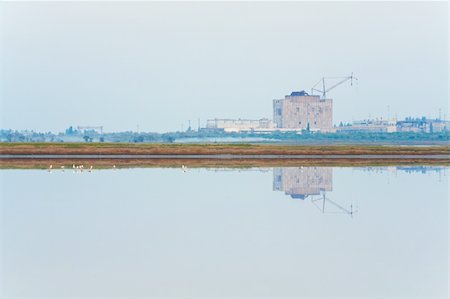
(301, 111)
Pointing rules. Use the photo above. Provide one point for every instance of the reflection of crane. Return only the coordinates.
(320, 204)
(325, 89)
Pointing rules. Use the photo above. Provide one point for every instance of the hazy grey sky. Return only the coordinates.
(119, 64)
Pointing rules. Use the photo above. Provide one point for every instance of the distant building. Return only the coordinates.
(423, 125)
(370, 125)
(90, 129)
(238, 125)
(301, 111)
(301, 182)
(415, 125)
(438, 125)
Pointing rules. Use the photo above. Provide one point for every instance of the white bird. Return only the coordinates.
(50, 168)
(62, 168)
(90, 169)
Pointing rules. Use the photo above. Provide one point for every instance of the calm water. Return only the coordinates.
(271, 232)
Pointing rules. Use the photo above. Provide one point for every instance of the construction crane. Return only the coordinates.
(325, 89)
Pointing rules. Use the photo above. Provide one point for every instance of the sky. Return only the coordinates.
(155, 66)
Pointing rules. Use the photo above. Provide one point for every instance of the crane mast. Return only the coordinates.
(324, 89)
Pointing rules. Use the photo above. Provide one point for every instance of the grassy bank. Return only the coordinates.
(209, 163)
(211, 149)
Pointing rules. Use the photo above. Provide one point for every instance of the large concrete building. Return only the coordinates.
(301, 111)
(238, 125)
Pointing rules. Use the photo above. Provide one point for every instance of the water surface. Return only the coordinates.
(260, 232)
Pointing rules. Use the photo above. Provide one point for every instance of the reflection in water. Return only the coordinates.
(190, 233)
(301, 182)
(311, 183)
(314, 183)
(406, 169)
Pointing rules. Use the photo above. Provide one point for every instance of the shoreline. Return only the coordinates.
(155, 150)
(106, 155)
(233, 157)
(107, 163)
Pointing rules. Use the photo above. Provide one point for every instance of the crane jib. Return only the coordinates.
(325, 90)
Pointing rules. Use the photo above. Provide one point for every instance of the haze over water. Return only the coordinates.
(261, 232)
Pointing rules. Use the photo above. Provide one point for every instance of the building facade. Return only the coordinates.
(302, 111)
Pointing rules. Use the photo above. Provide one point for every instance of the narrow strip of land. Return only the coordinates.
(230, 157)
(214, 151)
(107, 163)
(109, 155)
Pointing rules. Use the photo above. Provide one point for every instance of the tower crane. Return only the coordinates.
(327, 89)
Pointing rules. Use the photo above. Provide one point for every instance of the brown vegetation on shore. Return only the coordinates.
(211, 149)
(209, 163)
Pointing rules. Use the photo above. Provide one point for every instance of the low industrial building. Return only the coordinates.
(301, 111)
(240, 125)
(414, 125)
(370, 125)
(423, 125)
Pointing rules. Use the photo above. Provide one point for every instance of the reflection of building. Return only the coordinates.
(407, 169)
(300, 182)
(312, 182)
